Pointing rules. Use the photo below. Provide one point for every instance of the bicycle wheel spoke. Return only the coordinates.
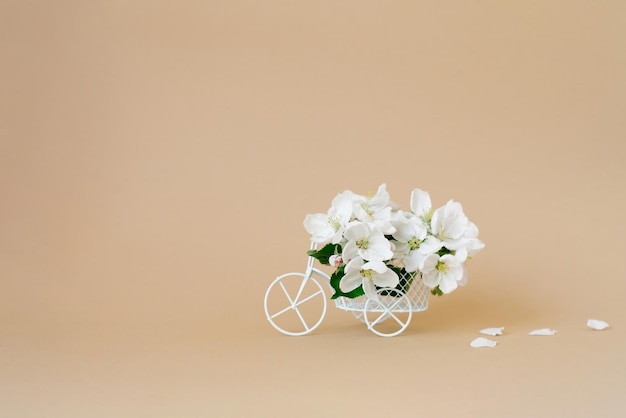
(300, 290)
(391, 314)
(308, 298)
(286, 293)
(380, 318)
(280, 312)
(306, 327)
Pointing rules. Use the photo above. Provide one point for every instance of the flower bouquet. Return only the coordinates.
(374, 245)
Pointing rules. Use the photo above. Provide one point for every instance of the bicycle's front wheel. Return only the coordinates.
(295, 304)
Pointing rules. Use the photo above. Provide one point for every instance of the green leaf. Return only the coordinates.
(324, 254)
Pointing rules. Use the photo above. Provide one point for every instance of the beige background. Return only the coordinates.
(157, 160)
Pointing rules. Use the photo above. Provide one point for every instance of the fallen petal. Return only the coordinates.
(597, 324)
(543, 331)
(492, 331)
(482, 342)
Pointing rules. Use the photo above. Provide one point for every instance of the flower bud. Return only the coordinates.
(335, 260)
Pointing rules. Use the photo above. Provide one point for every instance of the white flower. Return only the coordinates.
(365, 241)
(449, 224)
(413, 240)
(467, 245)
(445, 271)
(325, 227)
(369, 275)
(376, 209)
(410, 234)
(365, 208)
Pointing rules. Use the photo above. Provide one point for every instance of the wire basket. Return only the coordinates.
(410, 285)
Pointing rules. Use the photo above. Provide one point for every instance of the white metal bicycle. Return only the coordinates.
(295, 303)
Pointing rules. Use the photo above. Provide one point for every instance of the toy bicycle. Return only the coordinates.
(295, 303)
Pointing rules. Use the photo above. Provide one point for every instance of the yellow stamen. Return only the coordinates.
(366, 274)
(363, 243)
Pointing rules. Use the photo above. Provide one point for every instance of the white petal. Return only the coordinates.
(456, 227)
(350, 251)
(471, 231)
(377, 266)
(463, 280)
(401, 249)
(350, 281)
(413, 261)
(455, 244)
(430, 245)
(420, 202)
(543, 331)
(379, 249)
(597, 324)
(370, 289)
(449, 222)
(361, 214)
(413, 227)
(431, 279)
(317, 225)
(356, 264)
(343, 206)
(492, 331)
(429, 263)
(482, 342)
(473, 246)
(404, 230)
(461, 255)
(454, 265)
(387, 279)
(447, 284)
(380, 199)
(356, 230)
(337, 236)
(385, 226)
